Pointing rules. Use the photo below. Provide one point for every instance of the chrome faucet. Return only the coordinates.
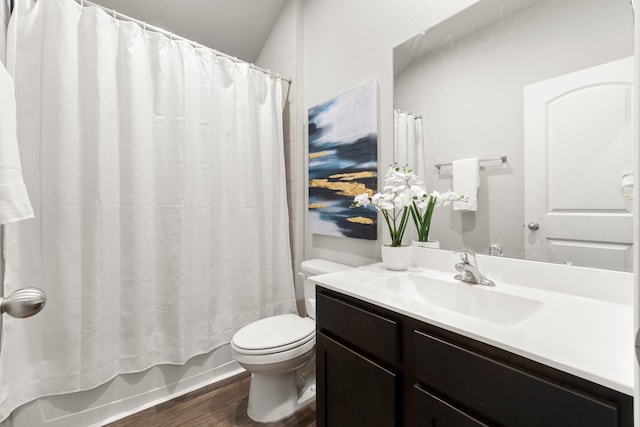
(495, 249)
(468, 269)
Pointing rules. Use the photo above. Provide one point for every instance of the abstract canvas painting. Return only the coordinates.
(343, 162)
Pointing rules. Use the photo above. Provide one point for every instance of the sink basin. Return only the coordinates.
(420, 292)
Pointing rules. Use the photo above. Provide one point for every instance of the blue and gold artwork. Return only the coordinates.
(343, 162)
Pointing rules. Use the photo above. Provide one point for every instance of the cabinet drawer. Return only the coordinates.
(503, 393)
(433, 411)
(367, 331)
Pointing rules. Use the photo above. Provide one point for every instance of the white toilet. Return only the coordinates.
(279, 352)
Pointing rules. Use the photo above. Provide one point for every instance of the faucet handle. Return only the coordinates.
(495, 249)
(465, 254)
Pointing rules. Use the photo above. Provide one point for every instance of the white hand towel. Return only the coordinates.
(466, 180)
(14, 201)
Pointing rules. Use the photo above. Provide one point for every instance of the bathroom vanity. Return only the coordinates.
(390, 352)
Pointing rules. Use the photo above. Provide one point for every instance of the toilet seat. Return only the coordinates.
(275, 363)
(274, 335)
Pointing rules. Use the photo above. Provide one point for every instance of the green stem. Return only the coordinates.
(387, 219)
(427, 218)
(423, 221)
(397, 236)
(415, 214)
(403, 224)
(396, 230)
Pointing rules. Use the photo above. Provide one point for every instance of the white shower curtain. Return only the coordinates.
(408, 142)
(156, 172)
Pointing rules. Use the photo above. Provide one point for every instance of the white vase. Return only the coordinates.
(433, 244)
(396, 258)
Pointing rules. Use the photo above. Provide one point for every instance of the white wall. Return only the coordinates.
(470, 94)
(347, 43)
(280, 48)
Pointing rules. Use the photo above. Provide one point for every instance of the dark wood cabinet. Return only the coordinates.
(357, 352)
(376, 367)
(356, 391)
(431, 411)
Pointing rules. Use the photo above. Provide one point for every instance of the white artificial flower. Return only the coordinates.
(418, 191)
(362, 199)
(386, 205)
(394, 188)
(401, 189)
(388, 197)
(408, 195)
(382, 200)
(413, 179)
(423, 203)
(397, 175)
(391, 177)
(398, 203)
(449, 197)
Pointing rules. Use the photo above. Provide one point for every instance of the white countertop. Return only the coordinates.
(586, 336)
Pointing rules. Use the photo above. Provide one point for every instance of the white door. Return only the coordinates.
(577, 142)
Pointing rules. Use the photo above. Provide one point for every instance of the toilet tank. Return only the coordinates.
(313, 267)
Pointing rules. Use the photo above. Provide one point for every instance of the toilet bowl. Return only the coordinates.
(279, 351)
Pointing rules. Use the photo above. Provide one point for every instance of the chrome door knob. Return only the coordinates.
(533, 226)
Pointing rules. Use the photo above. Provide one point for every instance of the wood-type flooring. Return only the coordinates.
(223, 404)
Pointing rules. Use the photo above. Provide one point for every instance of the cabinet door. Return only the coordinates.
(431, 411)
(351, 389)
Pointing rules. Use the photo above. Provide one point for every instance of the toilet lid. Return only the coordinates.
(275, 332)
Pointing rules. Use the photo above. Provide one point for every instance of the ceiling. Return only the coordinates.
(236, 27)
(468, 21)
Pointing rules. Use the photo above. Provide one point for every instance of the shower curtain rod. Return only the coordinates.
(172, 36)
